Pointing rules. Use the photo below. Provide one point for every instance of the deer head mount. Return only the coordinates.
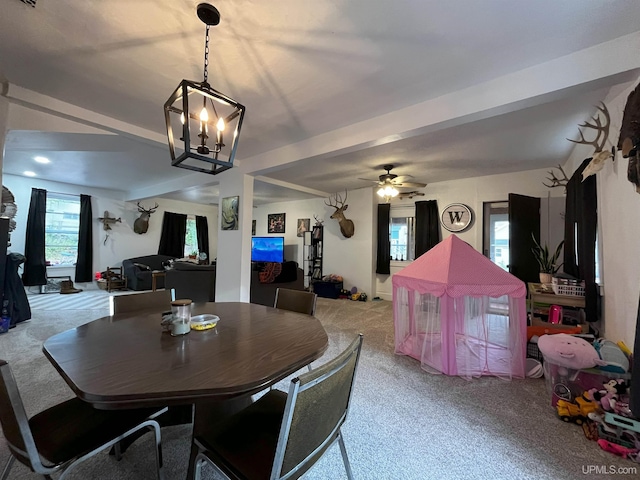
(599, 156)
(141, 225)
(347, 228)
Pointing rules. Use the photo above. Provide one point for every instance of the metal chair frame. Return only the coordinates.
(294, 390)
(32, 456)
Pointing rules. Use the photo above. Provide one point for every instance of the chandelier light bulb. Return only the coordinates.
(204, 115)
(182, 118)
(220, 124)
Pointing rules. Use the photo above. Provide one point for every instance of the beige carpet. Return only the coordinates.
(404, 423)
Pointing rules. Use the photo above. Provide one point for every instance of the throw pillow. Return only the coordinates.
(270, 272)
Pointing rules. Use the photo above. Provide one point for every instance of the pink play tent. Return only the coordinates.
(460, 314)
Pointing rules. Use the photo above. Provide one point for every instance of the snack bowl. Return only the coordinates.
(204, 321)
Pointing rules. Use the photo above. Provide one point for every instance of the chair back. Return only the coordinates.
(296, 300)
(14, 420)
(139, 301)
(317, 406)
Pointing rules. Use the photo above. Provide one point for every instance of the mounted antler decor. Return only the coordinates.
(347, 228)
(599, 154)
(141, 225)
(557, 182)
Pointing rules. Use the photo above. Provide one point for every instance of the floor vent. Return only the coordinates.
(30, 2)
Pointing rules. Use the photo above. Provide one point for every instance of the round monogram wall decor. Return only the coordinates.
(456, 217)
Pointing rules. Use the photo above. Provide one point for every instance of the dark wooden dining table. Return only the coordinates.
(126, 360)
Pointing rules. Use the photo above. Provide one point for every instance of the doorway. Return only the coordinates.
(508, 227)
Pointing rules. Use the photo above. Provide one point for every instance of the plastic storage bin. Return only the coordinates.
(567, 383)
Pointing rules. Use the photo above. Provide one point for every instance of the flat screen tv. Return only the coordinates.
(267, 249)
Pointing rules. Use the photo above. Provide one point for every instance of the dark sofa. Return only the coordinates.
(138, 271)
(265, 293)
(197, 282)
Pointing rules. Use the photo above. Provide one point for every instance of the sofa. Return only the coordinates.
(138, 271)
(190, 280)
(265, 293)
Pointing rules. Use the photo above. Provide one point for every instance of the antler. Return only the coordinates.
(603, 130)
(555, 181)
(338, 199)
(144, 210)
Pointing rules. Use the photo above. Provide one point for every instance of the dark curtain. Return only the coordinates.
(427, 226)
(202, 232)
(174, 229)
(581, 216)
(634, 400)
(35, 268)
(384, 244)
(84, 264)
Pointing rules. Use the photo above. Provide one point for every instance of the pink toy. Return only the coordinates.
(568, 351)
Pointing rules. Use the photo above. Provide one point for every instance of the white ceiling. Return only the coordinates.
(334, 89)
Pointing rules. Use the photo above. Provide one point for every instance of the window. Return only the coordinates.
(191, 237)
(402, 234)
(62, 221)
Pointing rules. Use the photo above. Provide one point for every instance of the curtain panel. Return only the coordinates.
(581, 220)
(427, 226)
(35, 266)
(202, 232)
(383, 261)
(84, 264)
(174, 229)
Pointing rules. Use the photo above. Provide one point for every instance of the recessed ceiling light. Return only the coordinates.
(29, 173)
(42, 159)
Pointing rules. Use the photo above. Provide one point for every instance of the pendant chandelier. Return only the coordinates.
(206, 122)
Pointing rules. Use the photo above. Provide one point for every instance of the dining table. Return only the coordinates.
(128, 361)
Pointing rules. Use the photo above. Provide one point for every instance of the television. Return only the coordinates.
(267, 249)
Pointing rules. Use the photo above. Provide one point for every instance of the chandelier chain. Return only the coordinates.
(206, 55)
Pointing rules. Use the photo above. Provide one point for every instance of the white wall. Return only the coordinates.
(353, 258)
(619, 229)
(122, 241)
(473, 192)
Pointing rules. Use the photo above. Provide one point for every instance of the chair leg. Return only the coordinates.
(117, 451)
(345, 458)
(159, 461)
(197, 471)
(7, 467)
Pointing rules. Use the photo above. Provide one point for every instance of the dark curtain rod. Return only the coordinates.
(60, 193)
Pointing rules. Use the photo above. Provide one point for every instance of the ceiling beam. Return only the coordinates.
(602, 65)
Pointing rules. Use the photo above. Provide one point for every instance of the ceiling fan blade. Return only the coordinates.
(402, 178)
(369, 180)
(411, 184)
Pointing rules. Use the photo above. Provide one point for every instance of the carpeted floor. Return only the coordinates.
(404, 423)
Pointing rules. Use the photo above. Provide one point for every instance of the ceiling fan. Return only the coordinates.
(390, 182)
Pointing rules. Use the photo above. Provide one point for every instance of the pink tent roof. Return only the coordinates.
(454, 267)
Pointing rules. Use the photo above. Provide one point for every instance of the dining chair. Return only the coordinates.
(282, 434)
(60, 437)
(135, 302)
(296, 300)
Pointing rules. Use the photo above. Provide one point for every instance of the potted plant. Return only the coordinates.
(193, 255)
(548, 263)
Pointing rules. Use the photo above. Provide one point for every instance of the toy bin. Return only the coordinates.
(327, 289)
(567, 383)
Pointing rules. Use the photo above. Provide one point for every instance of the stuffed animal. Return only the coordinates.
(608, 397)
(568, 351)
